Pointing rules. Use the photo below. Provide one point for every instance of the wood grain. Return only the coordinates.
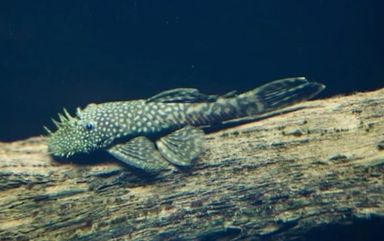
(276, 178)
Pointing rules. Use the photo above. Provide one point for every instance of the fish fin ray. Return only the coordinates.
(284, 92)
(139, 153)
(182, 95)
(181, 147)
(230, 94)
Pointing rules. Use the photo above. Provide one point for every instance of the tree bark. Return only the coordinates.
(276, 179)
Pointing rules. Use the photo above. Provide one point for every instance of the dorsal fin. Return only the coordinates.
(230, 94)
(182, 95)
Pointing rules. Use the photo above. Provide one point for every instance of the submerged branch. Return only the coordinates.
(279, 178)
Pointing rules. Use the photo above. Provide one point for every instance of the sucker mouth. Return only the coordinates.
(59, 153)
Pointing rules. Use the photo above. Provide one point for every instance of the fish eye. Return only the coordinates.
(89, 126)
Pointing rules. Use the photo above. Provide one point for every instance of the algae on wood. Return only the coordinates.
(278, 178)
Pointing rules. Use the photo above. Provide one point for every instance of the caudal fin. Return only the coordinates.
(284, 92)
(266, 98)
(272, 96)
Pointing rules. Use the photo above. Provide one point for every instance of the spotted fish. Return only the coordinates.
(149, 133)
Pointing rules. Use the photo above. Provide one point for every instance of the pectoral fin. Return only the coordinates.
(182, 146)
(140, 153)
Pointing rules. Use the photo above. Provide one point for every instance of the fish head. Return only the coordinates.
(82, 133)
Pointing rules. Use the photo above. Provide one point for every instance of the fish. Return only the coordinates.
(166, 129)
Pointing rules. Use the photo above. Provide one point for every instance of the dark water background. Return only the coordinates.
(70, 53)
(56, 54)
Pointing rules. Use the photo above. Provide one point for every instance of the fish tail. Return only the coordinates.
(276, 94)
(266, 98)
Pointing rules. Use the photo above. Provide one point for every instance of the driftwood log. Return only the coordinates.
(278, 179)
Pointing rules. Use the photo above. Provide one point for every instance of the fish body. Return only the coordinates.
(148, 133)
